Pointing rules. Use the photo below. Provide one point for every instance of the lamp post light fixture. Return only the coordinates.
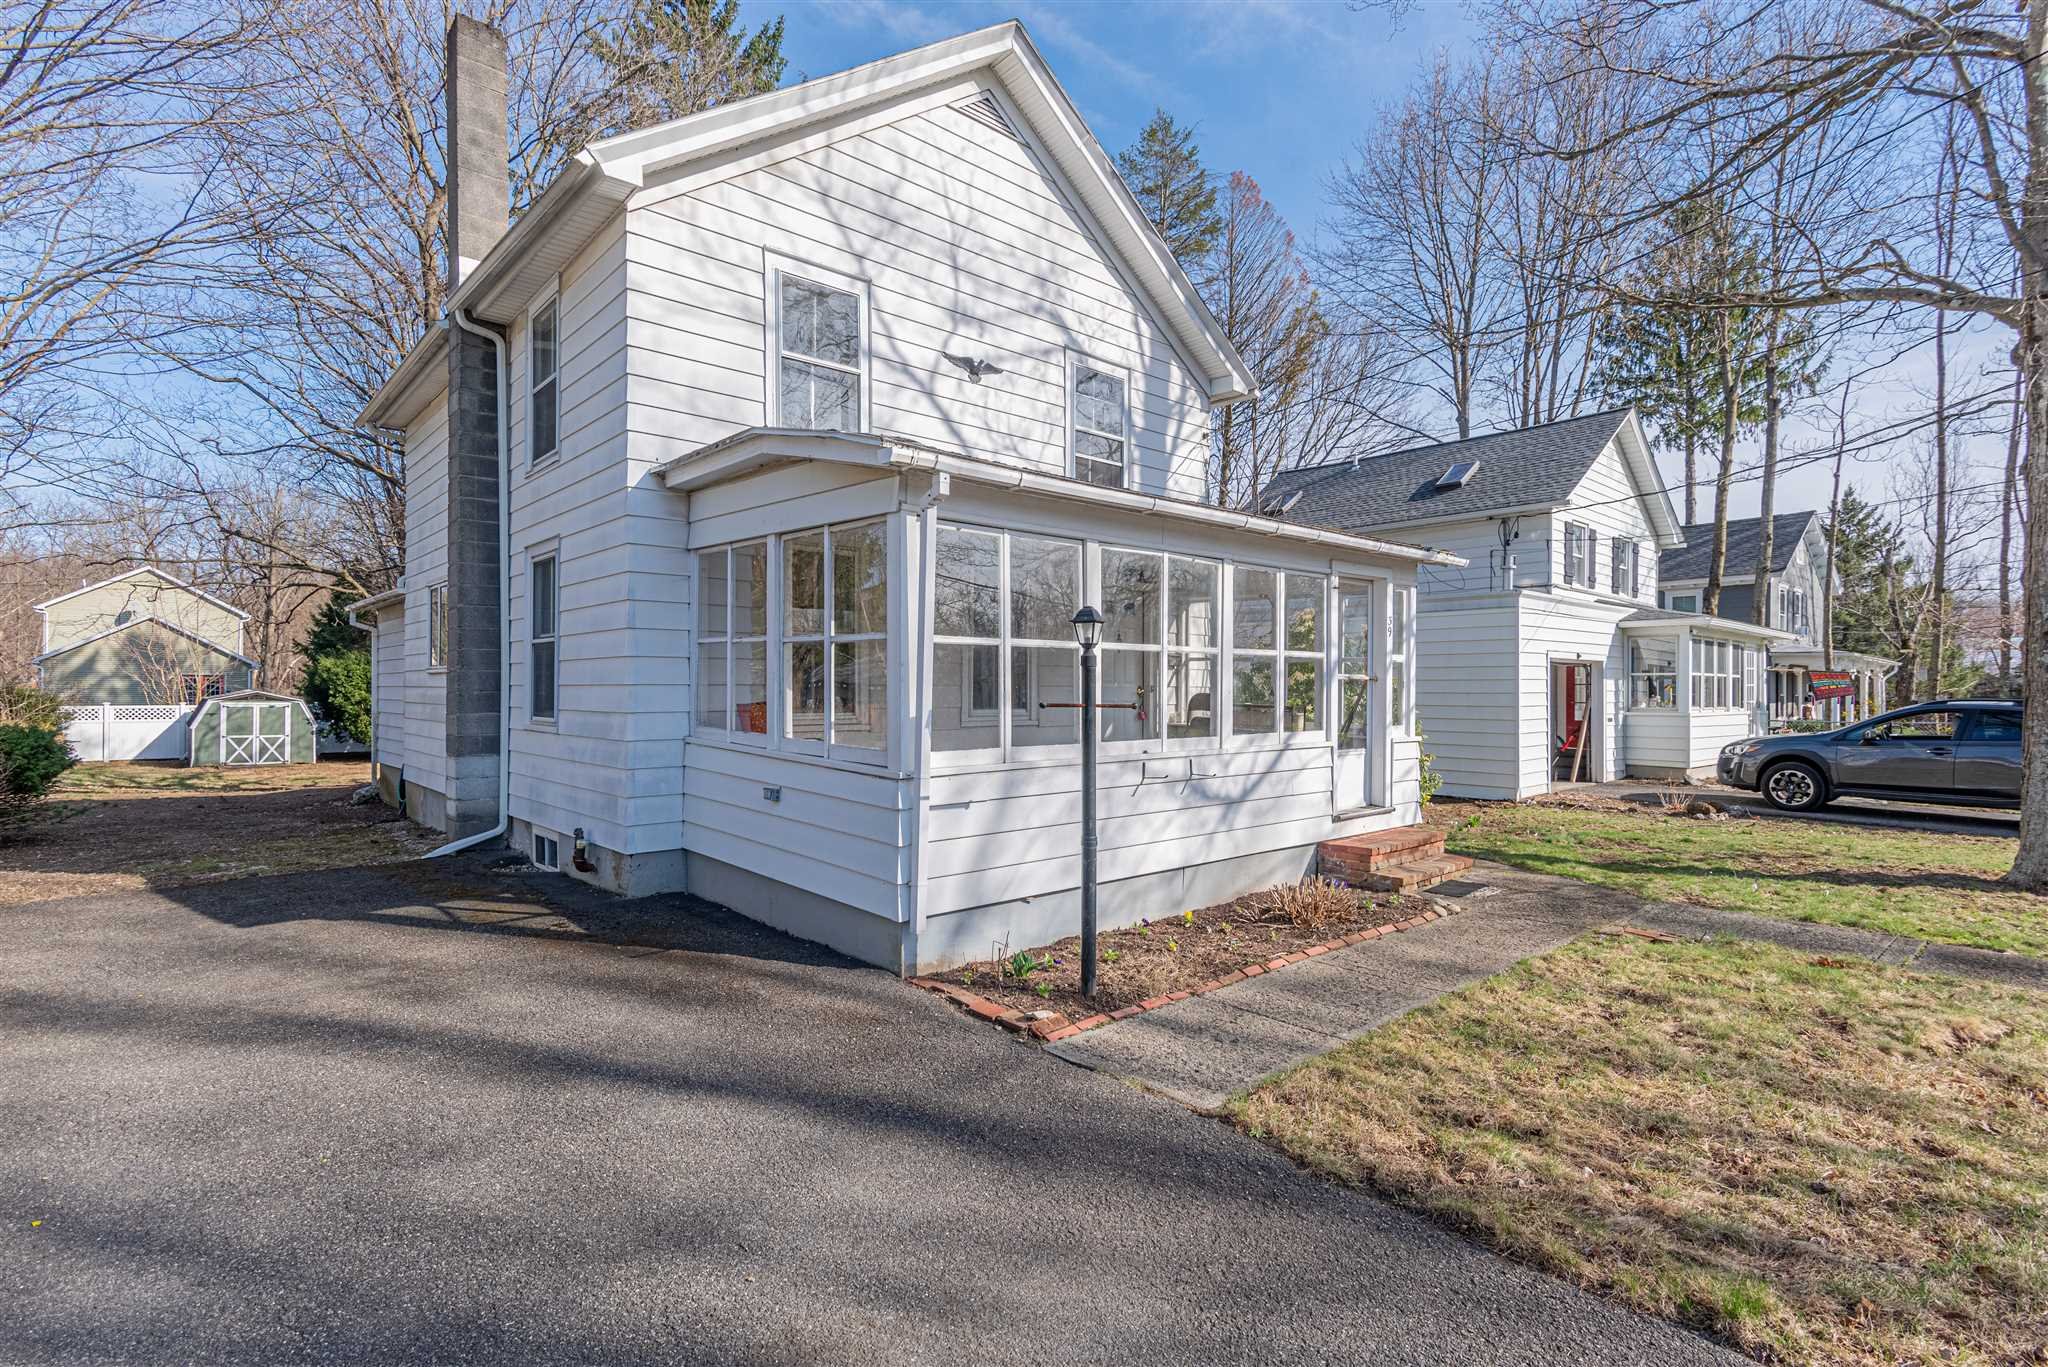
(1088, 631)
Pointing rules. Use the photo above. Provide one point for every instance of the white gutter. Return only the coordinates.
(460, 317)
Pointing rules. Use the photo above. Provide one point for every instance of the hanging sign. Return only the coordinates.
(1831, 683)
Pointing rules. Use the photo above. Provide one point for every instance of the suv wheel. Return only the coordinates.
(1795, 787)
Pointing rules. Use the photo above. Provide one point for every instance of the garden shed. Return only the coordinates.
(253, 727)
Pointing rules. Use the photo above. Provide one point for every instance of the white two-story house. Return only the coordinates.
(1545, 658)
(1850, 685)
(753, 481)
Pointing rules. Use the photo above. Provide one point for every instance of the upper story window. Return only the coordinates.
(542, 361)
(1581, 554)
(1628, 568)
(1102, 419)
(820, 353)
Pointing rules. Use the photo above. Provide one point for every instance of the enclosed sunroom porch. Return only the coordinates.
(884, 748)
(1696, 683)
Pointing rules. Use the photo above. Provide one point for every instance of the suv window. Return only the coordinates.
(2001, 727)
(1920, 726)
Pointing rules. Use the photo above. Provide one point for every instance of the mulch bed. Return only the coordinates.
(1154, 959)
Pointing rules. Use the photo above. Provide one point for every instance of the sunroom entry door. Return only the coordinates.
(1354, 694)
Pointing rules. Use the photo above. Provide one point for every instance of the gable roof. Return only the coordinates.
(1524, 470)
(170, 579)
(604, 175)
(1745, 535)
(145, 620)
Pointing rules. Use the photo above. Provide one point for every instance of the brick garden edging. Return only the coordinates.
(1053, 1026)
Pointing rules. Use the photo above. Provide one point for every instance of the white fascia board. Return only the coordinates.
(1635, 452)
(370, 607)
(130, 625)
(412, 386)
(168, 578)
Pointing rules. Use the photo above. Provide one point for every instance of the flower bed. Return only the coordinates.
(1157, 958)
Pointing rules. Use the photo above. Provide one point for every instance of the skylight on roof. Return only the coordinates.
(1279, 504)
(1457, 475)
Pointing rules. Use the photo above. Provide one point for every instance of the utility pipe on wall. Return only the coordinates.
(462, 320)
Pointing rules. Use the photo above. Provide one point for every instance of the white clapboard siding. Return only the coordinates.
(426, 566)
(1610, 502)
(969, 248)
(834, 830)
(1566, 627)
(1468, 677)
(387, 690)
(1658, 738)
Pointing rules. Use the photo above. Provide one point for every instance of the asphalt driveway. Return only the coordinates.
(417, 1114)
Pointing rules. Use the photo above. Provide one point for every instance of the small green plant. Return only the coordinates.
(32, 759)
(1110, 956)
(1431, 779)
(1042, 989)
(1021, 965)
(967, 978)
(1173, 946)
(1187, 918)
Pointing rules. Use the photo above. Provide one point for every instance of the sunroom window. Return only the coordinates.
(1001, 625)
(1652, 674)
(1160, 645)
(1277, 664)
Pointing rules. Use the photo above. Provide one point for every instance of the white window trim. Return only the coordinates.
(1400, 660)
(1006, 751)
(533, 854)
(1279, 655)
(775, 737)
(1075, 361)
(1674, 673)
(437, 607)
(550, 294)
(774, 267)
(549, 550)
(1163, 650)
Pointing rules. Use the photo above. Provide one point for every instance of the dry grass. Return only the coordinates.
(1822, 1161)
(1311, 904)
(1915, 883)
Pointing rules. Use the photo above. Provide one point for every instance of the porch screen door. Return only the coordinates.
(1354, 694)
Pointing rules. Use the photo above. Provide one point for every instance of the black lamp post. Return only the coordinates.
(1088, 631)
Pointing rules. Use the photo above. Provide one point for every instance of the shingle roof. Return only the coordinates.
(1690, 562)
(1528, 468)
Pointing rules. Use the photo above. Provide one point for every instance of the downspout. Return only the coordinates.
(462, 320)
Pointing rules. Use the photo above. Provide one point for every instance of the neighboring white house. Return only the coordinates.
(1545, 659)
(823, 412)
(1797, 586)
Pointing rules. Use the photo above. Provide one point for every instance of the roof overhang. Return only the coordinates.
(1664, 622)
(153, 571)
(547, 237)
(765, 448)
(1006, 50)
(1813, 657)
(362, 613)
(1656, 499)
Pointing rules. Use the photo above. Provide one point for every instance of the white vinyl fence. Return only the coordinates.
(128, 731)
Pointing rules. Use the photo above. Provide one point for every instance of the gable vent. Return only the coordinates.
(1458, 475)
(984, 110)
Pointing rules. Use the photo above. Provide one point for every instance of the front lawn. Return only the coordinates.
(1933, 887)
(1822, 1161)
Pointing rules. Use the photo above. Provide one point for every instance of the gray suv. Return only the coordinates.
(1963, 752)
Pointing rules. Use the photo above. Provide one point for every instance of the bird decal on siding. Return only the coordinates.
(973, 365)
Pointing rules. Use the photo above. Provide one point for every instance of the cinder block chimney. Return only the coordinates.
(478, 199)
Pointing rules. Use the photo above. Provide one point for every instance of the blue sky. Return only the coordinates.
(1283, 89)
(1278, 88)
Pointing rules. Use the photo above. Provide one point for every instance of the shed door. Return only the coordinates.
(255, 733)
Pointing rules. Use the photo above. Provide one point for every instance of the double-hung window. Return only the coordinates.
(1160, 645)
(1627, 567)
(542, 665)
(835, 638)
(542, 360)
(1277, 650)
(1006, 669)
(1575, 562)
(820, 353)
(438, 639)
(1101, 420)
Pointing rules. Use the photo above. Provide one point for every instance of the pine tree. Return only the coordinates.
(677, 57)
(337, 674)
(1164, 170)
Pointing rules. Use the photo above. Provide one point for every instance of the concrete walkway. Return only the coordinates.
(1202, 1050)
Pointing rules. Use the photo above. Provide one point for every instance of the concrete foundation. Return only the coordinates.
(629, 875)
(800, 912)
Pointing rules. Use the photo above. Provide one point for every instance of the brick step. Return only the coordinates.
(1413, 875)
(1362, 854)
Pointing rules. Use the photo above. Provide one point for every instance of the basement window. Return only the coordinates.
(547, 853)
